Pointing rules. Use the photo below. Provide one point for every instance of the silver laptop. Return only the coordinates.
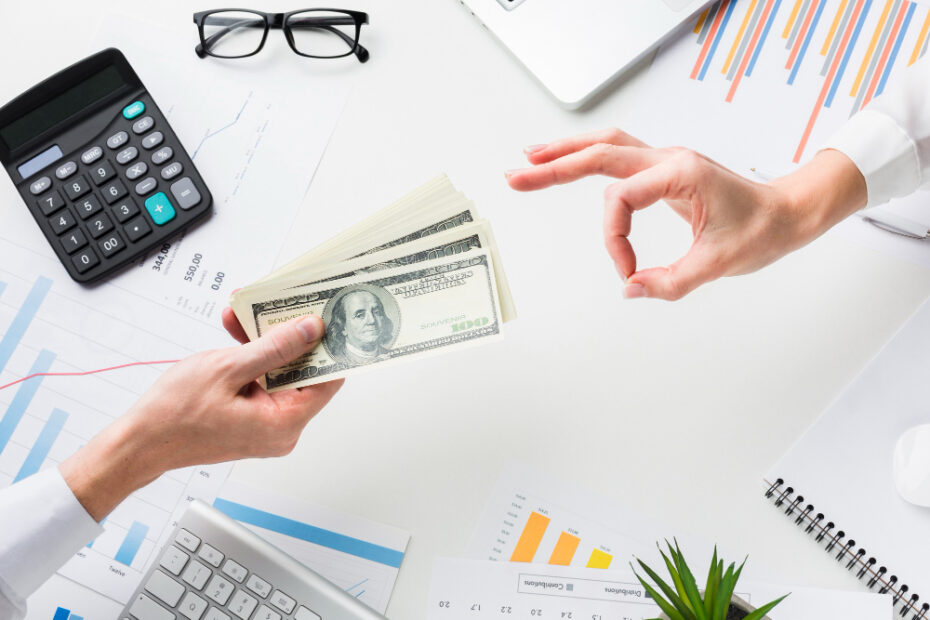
(576, 48)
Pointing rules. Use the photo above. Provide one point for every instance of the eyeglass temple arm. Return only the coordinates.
(327, 23)
(229, 24)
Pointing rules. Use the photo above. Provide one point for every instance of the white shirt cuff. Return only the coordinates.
(884, 153)
(42, 524)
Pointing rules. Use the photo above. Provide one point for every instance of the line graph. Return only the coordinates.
(209, 134)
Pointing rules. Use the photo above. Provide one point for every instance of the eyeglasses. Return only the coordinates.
(314, 33)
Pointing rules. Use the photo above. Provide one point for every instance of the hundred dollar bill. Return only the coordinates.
(386, 317)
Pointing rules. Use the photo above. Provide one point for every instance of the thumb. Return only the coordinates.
(672, 282)
(279, 346)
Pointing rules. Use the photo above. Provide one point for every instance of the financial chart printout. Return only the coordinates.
(764, 84)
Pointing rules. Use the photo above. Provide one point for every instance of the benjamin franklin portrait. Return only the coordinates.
(361, 324)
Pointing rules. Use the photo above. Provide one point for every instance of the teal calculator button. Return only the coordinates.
(160, 208)
(133, 110)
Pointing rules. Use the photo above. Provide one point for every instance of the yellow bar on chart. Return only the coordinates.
(836, 22)
(530, 538)
(791, 18)
(599, 559)
(564, 549)
(700, 22)
(921, 38)
(739, 37)
(871, 49)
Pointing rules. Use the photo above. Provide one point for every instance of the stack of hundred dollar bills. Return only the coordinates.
(421, 276)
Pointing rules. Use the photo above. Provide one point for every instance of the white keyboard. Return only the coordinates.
(215, 569)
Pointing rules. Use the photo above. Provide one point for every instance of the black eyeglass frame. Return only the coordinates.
(282, 21)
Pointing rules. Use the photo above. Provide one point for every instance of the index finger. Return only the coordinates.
(543, 153)
(615, 161)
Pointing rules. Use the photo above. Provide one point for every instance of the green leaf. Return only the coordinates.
(710, 590)
(690, 585)
(760, 613)
(664, 605)
(724, 593)
(668, 591)
(676, 578)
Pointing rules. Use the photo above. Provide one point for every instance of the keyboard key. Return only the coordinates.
(65, 170)
(74, 241)
(85, 260)
(187, 540)
(259, 586)
(196, 574)
(173, 560)
(40, 185)
(164, 588)
(171, 170)
(305, 614)
(242, 604)
(282, 601)
(150, 141)
(145, 608)
(160, 208)
(127, 155)
(113, 191)
(219, 589)
(137, 229)
(117, 140)
(162, 155)
(211, 555)
(102, 172)
(136, 170)
(50, 203)
(91, 155)
(146, 185)
(125, 210)
(62, 222)
(185, 193)
(76, 187)
(133, 110)
(266, 613)
(99, 226)
(215, 614)
(235, 570)
(110, 245)
(192, 606)
(143, 124)
(88, 206)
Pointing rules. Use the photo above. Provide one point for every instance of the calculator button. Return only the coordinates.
(171, 170)
(76, 187)
(136, 170)
(143, 124)
(133, 110)
(91, 155)
(50, 203)
(117, 140)
(100, 225)
(150, 141)
(125, 210)
(88, 206)
(111, 244)
(113, 191)
(85, 260)
(127, 155)
(102, 172)
(160, 208)
(66, 170)
(62, 222)
(185, 193)
(74, 241)
(146, 185)
(162, 155)
(137, 229)
(282, 601)
(40, 185)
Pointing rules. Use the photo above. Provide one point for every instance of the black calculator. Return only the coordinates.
(97, 164)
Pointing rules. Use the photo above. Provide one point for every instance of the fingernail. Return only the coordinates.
(311, 328)
(620, 272)
(633, 291)
(534, 148)
(510, 173)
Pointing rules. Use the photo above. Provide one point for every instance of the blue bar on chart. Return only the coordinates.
(43, 444)
(23, 319)
(132, 542)
(310, 533)
(27, 389)
(61, 614)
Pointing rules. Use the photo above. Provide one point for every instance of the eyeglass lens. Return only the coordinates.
(323, 34)
(232, 34)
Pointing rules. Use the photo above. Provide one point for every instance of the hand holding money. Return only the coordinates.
(421, 276)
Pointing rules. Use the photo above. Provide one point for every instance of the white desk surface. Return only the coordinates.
(676, 409)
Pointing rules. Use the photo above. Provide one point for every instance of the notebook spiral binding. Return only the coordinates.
(876, 577)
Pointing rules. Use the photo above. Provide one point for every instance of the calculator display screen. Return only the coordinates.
(61, 106)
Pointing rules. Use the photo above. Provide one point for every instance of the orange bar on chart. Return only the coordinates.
(564, 549)
(530, 538)
(599, 559)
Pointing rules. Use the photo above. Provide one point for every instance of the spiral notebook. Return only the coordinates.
(835, 484)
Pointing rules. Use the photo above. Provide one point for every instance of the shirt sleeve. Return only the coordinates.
(889, 140)
(42, 524)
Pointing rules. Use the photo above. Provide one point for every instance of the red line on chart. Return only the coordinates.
(709, 39)
(83, 372)
(749, 51)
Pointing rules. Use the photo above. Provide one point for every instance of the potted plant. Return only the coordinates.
(685, 601)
